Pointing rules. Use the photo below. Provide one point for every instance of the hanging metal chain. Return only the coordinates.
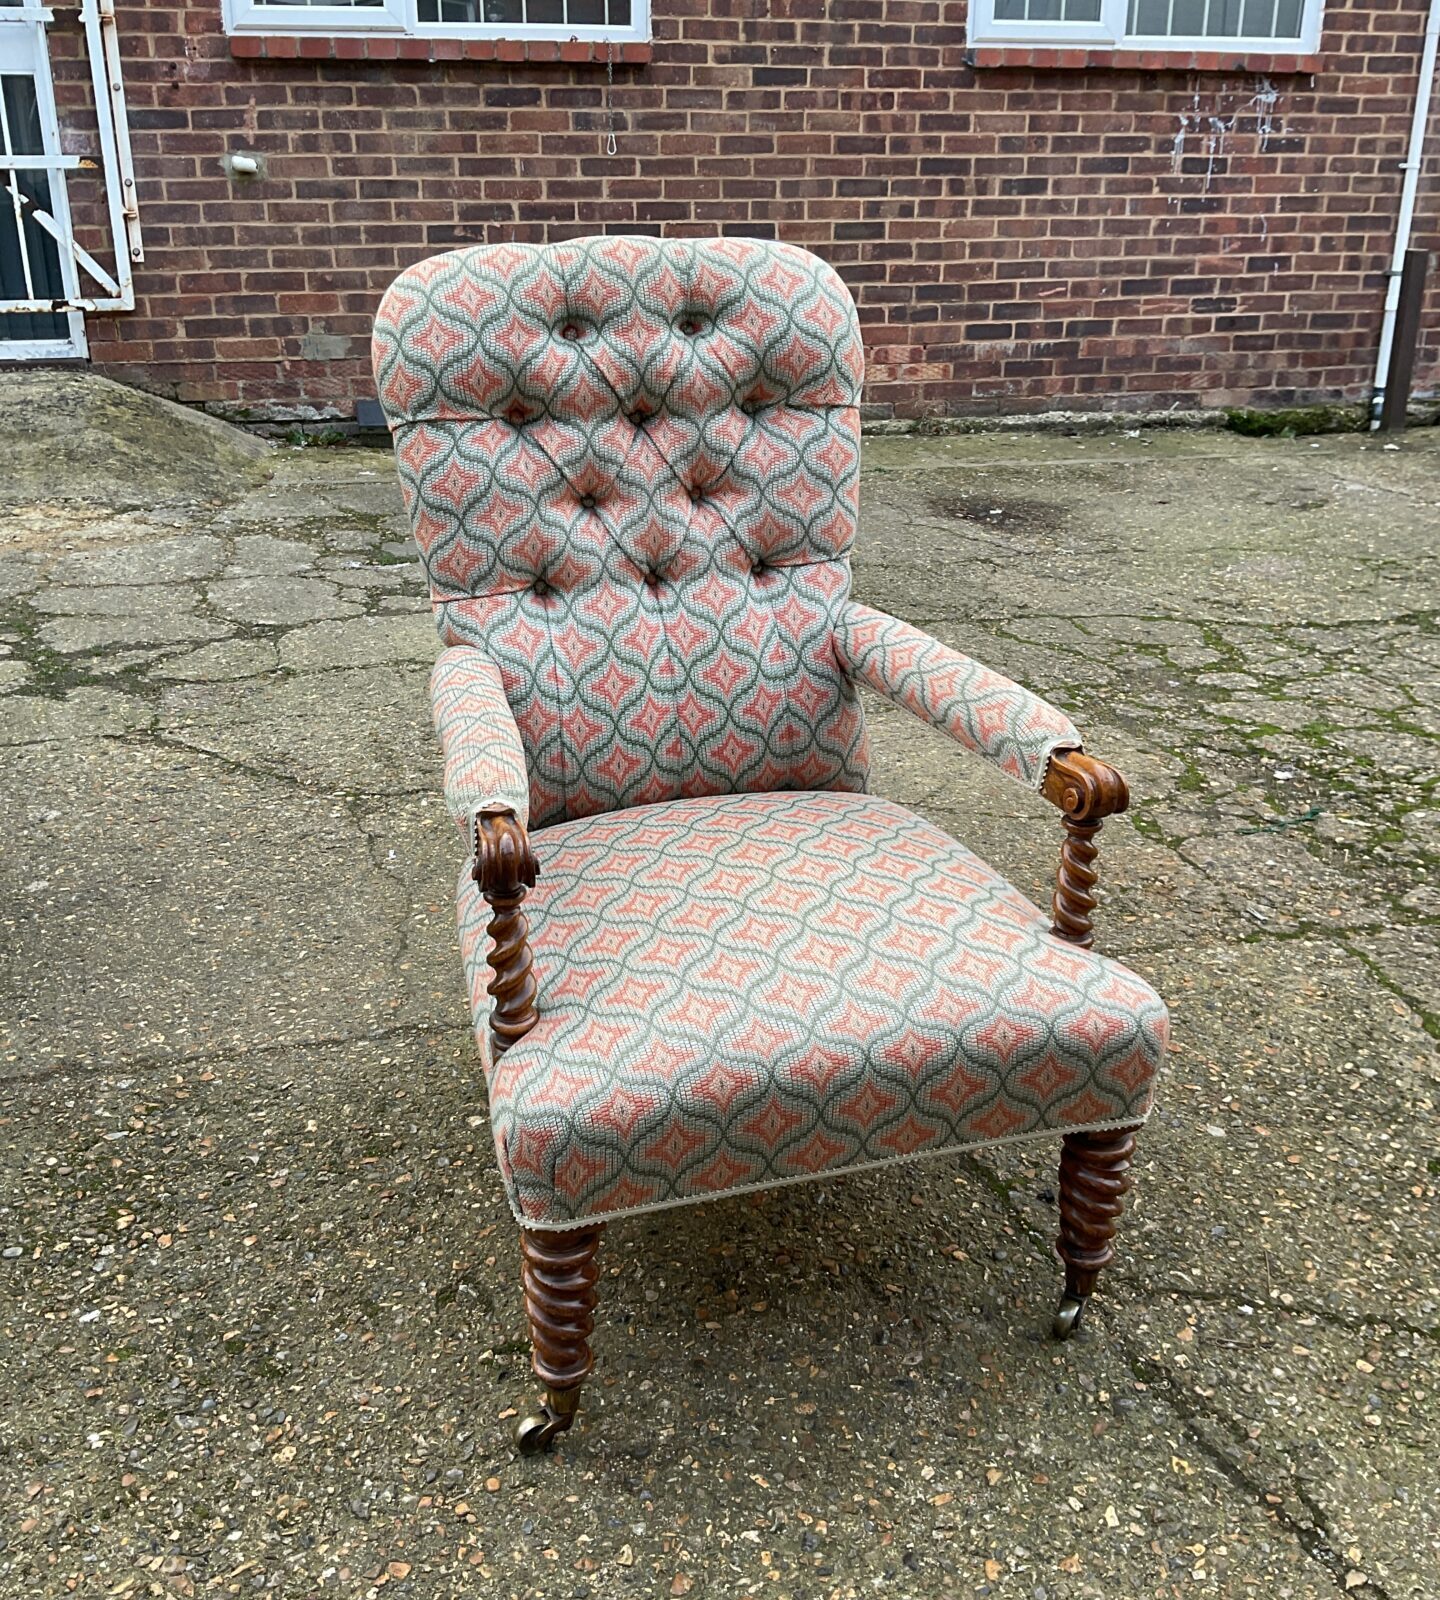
(610, 146)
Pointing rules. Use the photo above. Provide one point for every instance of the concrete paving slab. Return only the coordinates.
(262, 1322)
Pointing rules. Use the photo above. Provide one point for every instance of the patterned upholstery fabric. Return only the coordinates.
(978, 708)
(752, 990)
(484, 758)
(632, 468)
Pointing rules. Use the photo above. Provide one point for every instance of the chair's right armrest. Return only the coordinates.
(484, 756)
(487, 790)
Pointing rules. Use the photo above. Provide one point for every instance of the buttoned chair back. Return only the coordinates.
(632, 466)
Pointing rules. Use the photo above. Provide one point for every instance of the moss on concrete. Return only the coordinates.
(1294, 421)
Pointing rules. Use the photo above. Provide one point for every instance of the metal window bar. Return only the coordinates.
(35, 325)
(41, 206)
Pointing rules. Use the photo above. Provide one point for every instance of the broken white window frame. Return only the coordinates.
(1109, 31)
(401, 19)
(114, 158)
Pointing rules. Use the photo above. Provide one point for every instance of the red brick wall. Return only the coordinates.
(1018, 238)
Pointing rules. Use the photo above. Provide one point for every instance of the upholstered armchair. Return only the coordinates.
(702, 958)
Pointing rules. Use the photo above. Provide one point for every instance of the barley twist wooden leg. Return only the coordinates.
(1074, 900)
(1094, 1177)
(559, 1273)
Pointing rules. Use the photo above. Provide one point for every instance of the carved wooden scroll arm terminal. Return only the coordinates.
(1086, 791)
(505, 868)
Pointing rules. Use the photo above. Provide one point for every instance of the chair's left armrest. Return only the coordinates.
(484, 756)
(487, 790)
(978, 708)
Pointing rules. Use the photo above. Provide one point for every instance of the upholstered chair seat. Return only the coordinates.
(702, 958)
(754, 989)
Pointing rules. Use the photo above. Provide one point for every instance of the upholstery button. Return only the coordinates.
(696, 492)
(588, 501)
(689, 327)
(652, 580)
(639, 418)
(758, 569)
(570, 331)
(541, 588)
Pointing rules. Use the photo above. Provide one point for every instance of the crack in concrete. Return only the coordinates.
(1317, 1541)
(233, 1054)
(1316, 1538)
(1331, 1319)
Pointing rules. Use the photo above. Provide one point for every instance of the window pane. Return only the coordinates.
(33, 247)
(498, 15)
(1047, 10)
(22, 116)
(1216, 19)
(1258, 19)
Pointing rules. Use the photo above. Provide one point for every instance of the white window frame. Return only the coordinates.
(985, 28)
(23, 30)
(401, 19)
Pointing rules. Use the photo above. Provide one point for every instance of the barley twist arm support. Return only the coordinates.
(505, 869)
(1087, 791)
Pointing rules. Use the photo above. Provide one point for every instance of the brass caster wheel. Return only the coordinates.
(539, 1430)
(534, 1433)
(1067, 1318)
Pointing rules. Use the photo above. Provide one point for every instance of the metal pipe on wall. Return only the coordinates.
(1414, 155)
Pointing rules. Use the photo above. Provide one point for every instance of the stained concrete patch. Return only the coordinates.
(234, 658)
(82, 716)
(74, 436)
(114, 600)
(363, 641)
(278, 601)
(181, 559)
(260, 553)
(884, 1381)
(67, 635)
(381, 742)
(184, 899)
(18, 578)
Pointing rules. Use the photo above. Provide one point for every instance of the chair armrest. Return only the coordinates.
(979, 709)
(487, 790)
(1087, 791)
(484, 755)
(1083, 788)
(505, 868)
